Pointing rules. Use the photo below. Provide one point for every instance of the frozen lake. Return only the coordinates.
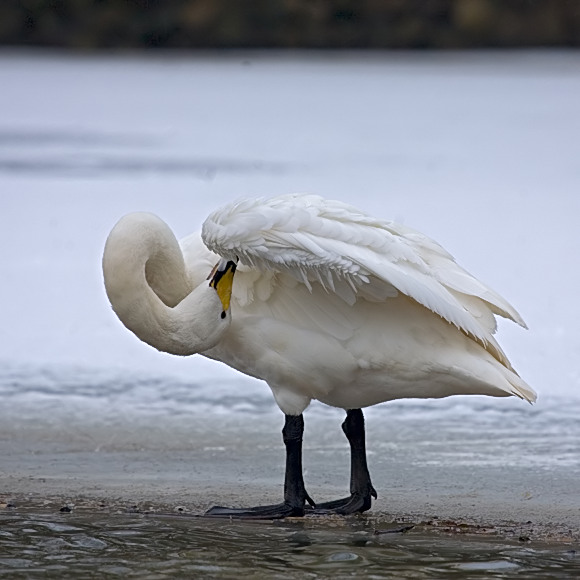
(479, 151)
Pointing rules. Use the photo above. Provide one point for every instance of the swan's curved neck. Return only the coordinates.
(149, 289)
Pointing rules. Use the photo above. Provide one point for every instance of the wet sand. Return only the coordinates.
(430, 476)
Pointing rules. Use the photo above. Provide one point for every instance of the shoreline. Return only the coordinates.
(160, 483)
(476, 466)
(528, 532)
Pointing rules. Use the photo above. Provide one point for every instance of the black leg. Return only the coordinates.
(295, 495)
(361, 488)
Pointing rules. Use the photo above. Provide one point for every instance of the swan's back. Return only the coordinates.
(353, 255)
(328, 245)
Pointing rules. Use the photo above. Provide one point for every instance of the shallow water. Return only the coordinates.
(77, 546)
(68, 435)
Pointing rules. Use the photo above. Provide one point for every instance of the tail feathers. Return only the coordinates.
(519, 387)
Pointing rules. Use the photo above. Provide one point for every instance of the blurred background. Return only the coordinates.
(87, 24)
(99, 117)
(468, 131)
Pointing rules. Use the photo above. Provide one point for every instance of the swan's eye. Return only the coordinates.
(224, 314)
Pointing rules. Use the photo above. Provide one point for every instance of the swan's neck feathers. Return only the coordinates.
(147, 285)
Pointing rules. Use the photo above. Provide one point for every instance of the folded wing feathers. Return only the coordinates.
(317, 240)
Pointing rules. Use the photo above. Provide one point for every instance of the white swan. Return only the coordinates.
(328, 303)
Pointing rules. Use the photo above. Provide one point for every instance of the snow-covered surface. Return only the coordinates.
(479, 151)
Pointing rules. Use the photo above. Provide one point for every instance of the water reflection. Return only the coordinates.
(82, 545)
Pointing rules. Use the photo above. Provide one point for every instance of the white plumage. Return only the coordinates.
(338, 280)
(331, 243)
(327, 303)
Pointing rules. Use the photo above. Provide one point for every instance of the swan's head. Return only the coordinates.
(200, 320)
(149, 288)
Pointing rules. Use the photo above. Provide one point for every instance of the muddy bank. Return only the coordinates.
(448, 476)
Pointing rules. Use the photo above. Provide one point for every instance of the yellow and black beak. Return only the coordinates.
(222, 278)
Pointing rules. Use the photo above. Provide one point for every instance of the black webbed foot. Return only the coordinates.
(264, 512)
(295, 495)
(356, 503)
(361, 488)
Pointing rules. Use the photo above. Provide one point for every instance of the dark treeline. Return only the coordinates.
(91, 24)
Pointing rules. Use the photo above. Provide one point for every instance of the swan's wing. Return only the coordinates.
(468, 289)
(353, 254)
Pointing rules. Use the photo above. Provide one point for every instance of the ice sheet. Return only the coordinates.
(478, 150)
